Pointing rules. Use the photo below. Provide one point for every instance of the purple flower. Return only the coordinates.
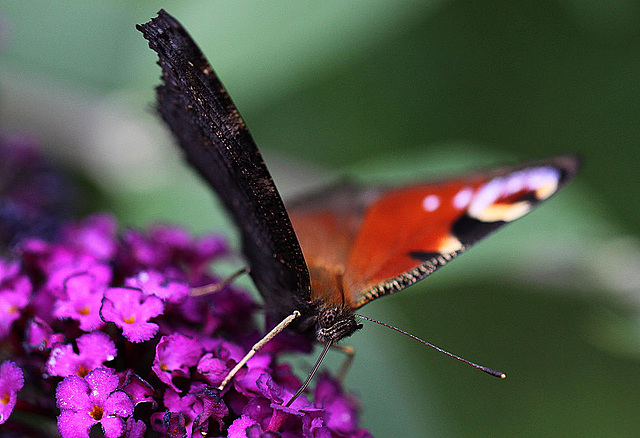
(245, 427)
(141, 253)
(39, 336)
(197, 253)
(93, 350)
(11, 381)
(130, 310)
(15, 292)
(341, 412)
(187, 405)
(93, 399)
(81, 287)
(156, 284)
(213, 408)
(62, 270)
(83, 301)
(8, 270)
(171, 237)
(205, 249)
(228, 310)
(198, 406)
(61, 260)
(138, 389)
(221, 357)
(175, 354)
(266, 407)
(96, 236)
(213, 369)
(165, 245)
(170, 424)
(247, 382)
(210, 246)
(134, 428)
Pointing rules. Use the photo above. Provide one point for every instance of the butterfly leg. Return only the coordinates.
(258, 345)
(350, 354)
(217, 287)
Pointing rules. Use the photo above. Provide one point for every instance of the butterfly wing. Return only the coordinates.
(327, 223)
(391, 238)
(215, 140)
(360, 244)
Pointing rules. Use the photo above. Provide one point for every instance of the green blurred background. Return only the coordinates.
(394, 91)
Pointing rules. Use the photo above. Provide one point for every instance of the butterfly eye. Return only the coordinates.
(328, 317)
(335, 323)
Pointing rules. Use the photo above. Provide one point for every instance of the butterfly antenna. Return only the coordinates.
(258, 345)
(490, 371)
(217, 287)
(311, 373)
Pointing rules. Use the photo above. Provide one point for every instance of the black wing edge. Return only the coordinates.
(214, 138)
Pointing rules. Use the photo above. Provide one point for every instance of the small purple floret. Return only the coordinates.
(84, 295)
(130, 310)
(39, 336)
(175, 354)
(14, 296)
(11, 381)
(138, 389)
(134, 428)
(96, 236)
(154, 283)
(93, 399)
(93, 350)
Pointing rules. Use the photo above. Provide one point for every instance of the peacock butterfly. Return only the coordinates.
(333, 251)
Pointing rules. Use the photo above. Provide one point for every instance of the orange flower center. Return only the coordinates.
(84, 311)
(82, 371)
(96, 413)
(130, 320)
(5, 398)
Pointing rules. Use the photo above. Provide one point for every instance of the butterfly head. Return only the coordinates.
(334, 323)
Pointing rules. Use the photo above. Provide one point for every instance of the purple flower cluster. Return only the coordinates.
(98, 330)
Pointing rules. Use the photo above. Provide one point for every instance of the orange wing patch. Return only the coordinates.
(360, 244)
(410, 232)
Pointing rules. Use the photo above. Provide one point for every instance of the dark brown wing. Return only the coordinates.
(215, 140)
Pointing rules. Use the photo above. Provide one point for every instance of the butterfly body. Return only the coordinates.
(333, 251)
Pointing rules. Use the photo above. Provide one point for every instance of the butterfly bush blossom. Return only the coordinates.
(98, 330)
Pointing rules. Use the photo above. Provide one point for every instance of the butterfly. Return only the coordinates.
(333, 251)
